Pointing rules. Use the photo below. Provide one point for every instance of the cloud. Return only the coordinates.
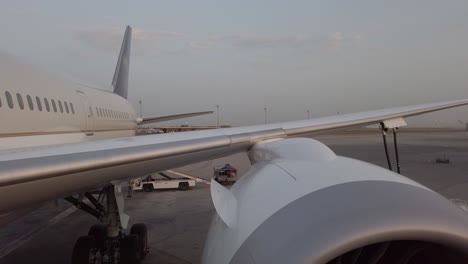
(357, 36)
(143, 41)
(202, 44)
(250, 40)
(336, 39)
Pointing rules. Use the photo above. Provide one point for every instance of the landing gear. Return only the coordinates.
(85, 251)
(141, 232)
(106, 242)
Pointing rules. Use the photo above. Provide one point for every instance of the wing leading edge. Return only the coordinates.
(74, 168)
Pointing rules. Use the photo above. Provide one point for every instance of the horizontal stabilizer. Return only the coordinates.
(147, 120)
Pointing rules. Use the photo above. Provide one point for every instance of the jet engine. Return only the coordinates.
(301, 203)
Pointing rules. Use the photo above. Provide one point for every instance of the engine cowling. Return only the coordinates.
(301, 203)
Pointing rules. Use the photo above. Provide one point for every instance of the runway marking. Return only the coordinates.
(26, 237)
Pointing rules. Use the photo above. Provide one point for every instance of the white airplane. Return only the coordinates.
(299, 203)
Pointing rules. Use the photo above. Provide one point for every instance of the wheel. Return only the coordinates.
(183, 186)
(148, 187)
(85, 251)
(99, 232)
(142, 233)
(130, 250)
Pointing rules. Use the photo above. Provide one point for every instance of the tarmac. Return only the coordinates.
(178, 221)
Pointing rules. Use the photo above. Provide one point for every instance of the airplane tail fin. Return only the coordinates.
(120, 80)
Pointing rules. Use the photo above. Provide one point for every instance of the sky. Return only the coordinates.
(325, 56)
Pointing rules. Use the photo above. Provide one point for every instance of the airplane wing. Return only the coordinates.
(58, 171)
(148, 120)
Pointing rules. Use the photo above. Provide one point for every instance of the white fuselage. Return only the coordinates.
(37, 109)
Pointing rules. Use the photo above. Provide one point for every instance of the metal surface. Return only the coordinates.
(120, 80)
(327, 223)
(124, 158)
(394, 122)
(291, 205)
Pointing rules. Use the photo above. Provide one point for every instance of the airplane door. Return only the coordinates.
(88, 114)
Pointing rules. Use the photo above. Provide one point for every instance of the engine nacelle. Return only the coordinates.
(300, 203)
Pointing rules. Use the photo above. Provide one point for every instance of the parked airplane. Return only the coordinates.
(300, 203)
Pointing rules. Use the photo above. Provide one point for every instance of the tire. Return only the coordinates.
(141, 231)
(148, 187)
(130, 250)
(183, 186)
(99, 232)
(84, 247)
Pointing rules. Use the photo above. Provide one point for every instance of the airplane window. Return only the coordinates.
(53, 105)
(9, 99)
(39, 105)
(66, 107)
(46, 103)
(60, 106)
(30, 102)
(71, 108)
(20, 101)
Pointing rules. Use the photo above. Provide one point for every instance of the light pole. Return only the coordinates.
(265, 114)
(141, 111)
(308, 114)
(217, 123)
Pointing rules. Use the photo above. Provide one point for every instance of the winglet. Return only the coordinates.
(224, 202)
(120, 80)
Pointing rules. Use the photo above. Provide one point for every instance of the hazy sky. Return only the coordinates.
(289, 56)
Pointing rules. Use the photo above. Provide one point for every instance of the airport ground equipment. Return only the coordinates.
(161, 180)
(186, 175)
(225, 175)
